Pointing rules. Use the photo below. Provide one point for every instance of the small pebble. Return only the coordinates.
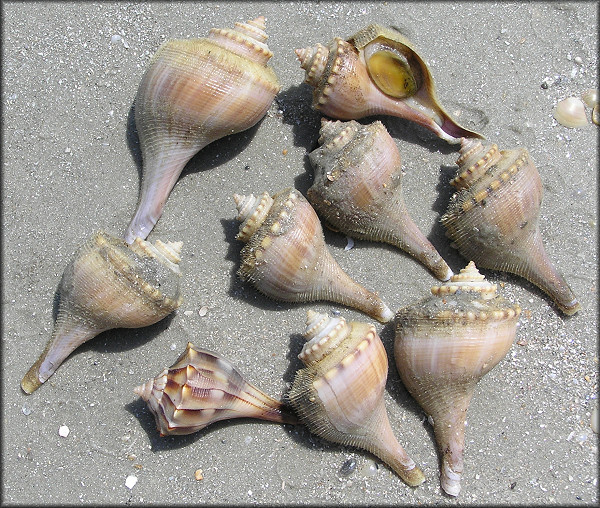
(595, 420)
(203, 310)
(130, 481)
(198, 475)
(350, 243)
(26, 411)
(188, 313)
(115, 38)
(173, 347)
(348, 467)
(63, 431)
(578, 60)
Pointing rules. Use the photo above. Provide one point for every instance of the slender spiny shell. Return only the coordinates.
(201, 388)
(339, 394)
(286, 258)
(377, 71)
(109, 284)
(357, 190)
(493, 218)
(444, 345)
(570, 112)
(194, 92)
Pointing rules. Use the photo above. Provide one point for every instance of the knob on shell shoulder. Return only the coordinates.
(201, 388)
(194, 92)
(339, 394)
(109, 284)
(377, 71)
(444, 345)
(357, 189)
(286, 258)
(493, 218)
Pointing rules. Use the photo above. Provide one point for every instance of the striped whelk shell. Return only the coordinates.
(444, 345)
(201, 388)
(338, 395)
(493, 218)
(286, 258)
(357, 190)
(377, 71)
(109, 284)
(194, 92)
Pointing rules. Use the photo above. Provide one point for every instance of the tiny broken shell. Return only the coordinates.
(570, 112)
(590, 97)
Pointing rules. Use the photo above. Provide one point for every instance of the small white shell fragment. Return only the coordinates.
(188, 313)
(203, 310)
(130, 481)
(63, 431)
(350, 243)
(595, 420)
(570, 112)
(26, 411)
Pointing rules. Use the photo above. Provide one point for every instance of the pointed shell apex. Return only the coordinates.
(252, 212)
(469, 279)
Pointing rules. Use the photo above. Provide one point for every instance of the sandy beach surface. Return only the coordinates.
(72, 165)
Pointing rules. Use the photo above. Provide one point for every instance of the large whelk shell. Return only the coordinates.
(194, 92)
(285, 256)
(493, 218)
(109, 284)
(357, 190)
(201, 388)
(339, 394)
(444, 345)
(377, 71)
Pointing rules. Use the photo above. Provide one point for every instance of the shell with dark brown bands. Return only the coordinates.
(201, 388)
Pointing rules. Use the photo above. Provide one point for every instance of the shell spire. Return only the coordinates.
(444, 345)
(285, 256)
(339, 393)
(493, 218)
(201, 388)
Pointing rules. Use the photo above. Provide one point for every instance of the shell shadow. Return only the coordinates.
(212, 155)
(437, 236)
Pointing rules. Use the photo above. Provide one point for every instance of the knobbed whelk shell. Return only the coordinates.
(377, 71)
(493, 218)
(339, 394)
(444, 345)
(201, 388)
(357, 190)
(109, 284)
(285, 256)
(194, 92)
